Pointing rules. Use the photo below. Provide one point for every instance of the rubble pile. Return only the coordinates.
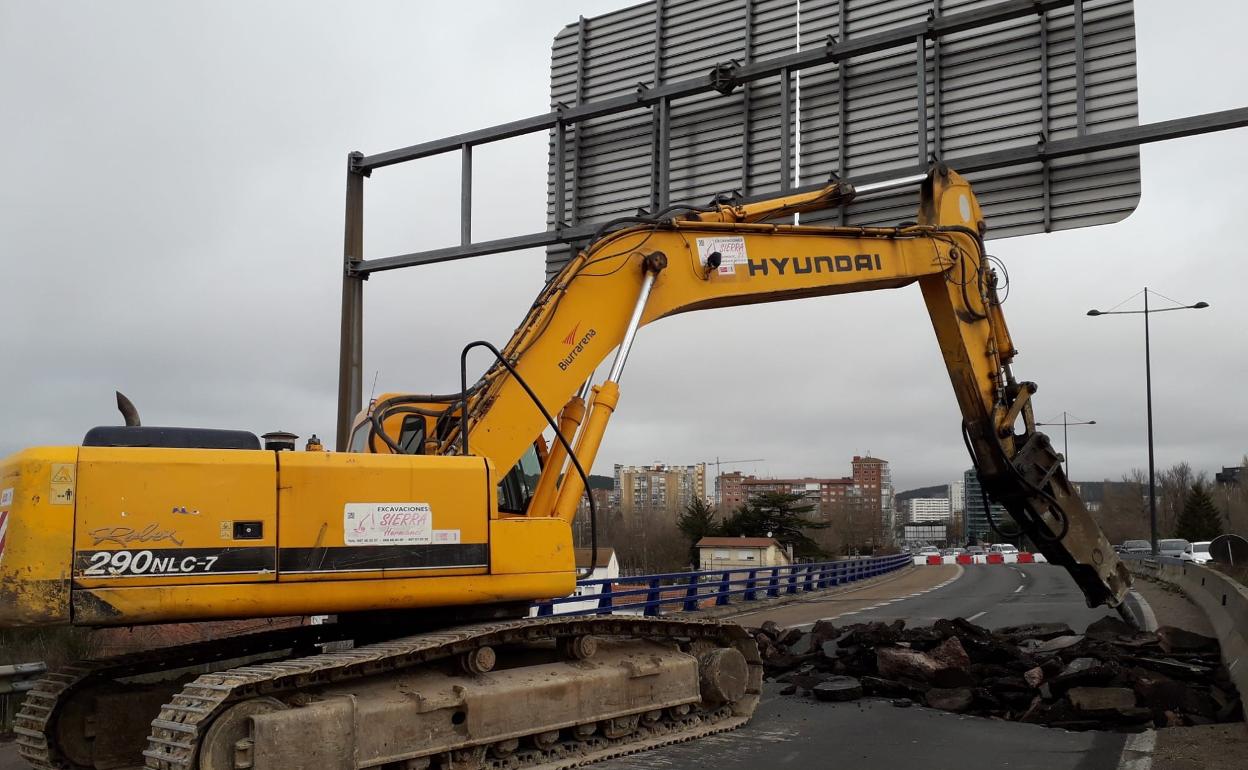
(1112, 677)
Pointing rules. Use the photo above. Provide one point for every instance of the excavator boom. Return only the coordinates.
(729, 255)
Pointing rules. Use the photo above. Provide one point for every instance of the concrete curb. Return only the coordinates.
(780, 601)
(1223, 601)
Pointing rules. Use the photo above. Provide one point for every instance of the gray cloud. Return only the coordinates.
(171, 226)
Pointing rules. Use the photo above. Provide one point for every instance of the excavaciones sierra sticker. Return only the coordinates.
(387, 524)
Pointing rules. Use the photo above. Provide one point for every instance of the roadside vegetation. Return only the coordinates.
(1189, 505)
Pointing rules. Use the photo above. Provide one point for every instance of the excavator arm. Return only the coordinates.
(730, 254)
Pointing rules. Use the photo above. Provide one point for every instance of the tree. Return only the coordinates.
(697, 522)
(778, 515)
(1200, 519)
(1173, 485)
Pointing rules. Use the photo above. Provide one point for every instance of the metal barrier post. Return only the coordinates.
(792, 581)
(691, 594)
(807, 582)
(773, 585)
(721, 598)
(604, 599)
(652, 599)
(751, 581)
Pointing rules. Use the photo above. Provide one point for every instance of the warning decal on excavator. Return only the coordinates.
(387, 524)
(62, 484)
(4, 526)
(731, 251)
(6, 499)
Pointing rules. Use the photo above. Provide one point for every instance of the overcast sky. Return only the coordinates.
(171, 226)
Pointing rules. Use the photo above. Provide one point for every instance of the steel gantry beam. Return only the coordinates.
(657, 98)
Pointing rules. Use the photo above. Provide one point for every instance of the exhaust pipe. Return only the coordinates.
(126, 407)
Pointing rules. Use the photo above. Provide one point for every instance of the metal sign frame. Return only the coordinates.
(656, 99)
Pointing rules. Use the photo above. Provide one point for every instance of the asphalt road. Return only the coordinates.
(790, 731)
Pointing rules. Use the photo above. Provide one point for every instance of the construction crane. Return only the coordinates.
(718, 473)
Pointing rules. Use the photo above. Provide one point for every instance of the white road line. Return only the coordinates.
(978, 615)
(1137, 752)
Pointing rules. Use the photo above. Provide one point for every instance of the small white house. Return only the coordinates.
(741, 552)
(605, 566)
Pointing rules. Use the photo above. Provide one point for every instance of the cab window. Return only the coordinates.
(517, 487)
(359, 439)
(412, 435)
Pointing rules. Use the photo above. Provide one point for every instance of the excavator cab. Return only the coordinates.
(413, 433)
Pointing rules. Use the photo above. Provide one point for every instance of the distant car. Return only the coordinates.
(1173, 547)
(1136, 546)
(929, 550)
(953, 552)
(1197, 552)
(1004, 548)
(975, 550)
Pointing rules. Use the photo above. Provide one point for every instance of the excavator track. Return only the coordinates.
(181, 737)
(48, 700)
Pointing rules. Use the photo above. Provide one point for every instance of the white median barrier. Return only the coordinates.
(1020, 557)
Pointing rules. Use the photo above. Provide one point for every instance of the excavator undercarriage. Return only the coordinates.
(458, 698)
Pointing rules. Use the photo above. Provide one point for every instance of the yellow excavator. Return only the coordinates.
(430, 539)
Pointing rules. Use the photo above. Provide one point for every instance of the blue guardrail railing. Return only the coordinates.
(691, 591)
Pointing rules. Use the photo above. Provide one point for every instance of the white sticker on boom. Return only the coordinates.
(731, 252)
(445, 536)
(6, 496)
(387, 524)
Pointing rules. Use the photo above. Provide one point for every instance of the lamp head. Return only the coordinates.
(1094, 312)
(1200, 305)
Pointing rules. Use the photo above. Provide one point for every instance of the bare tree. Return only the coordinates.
(1173, 485)
(1123, 514)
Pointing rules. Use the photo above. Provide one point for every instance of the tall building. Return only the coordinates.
(977, 525)
(657, 492)
(922, 510)
(957, 497)
(871, 475)
(874, 481)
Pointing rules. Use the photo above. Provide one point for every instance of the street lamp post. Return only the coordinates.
(1148, 387)
(1066, 423)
